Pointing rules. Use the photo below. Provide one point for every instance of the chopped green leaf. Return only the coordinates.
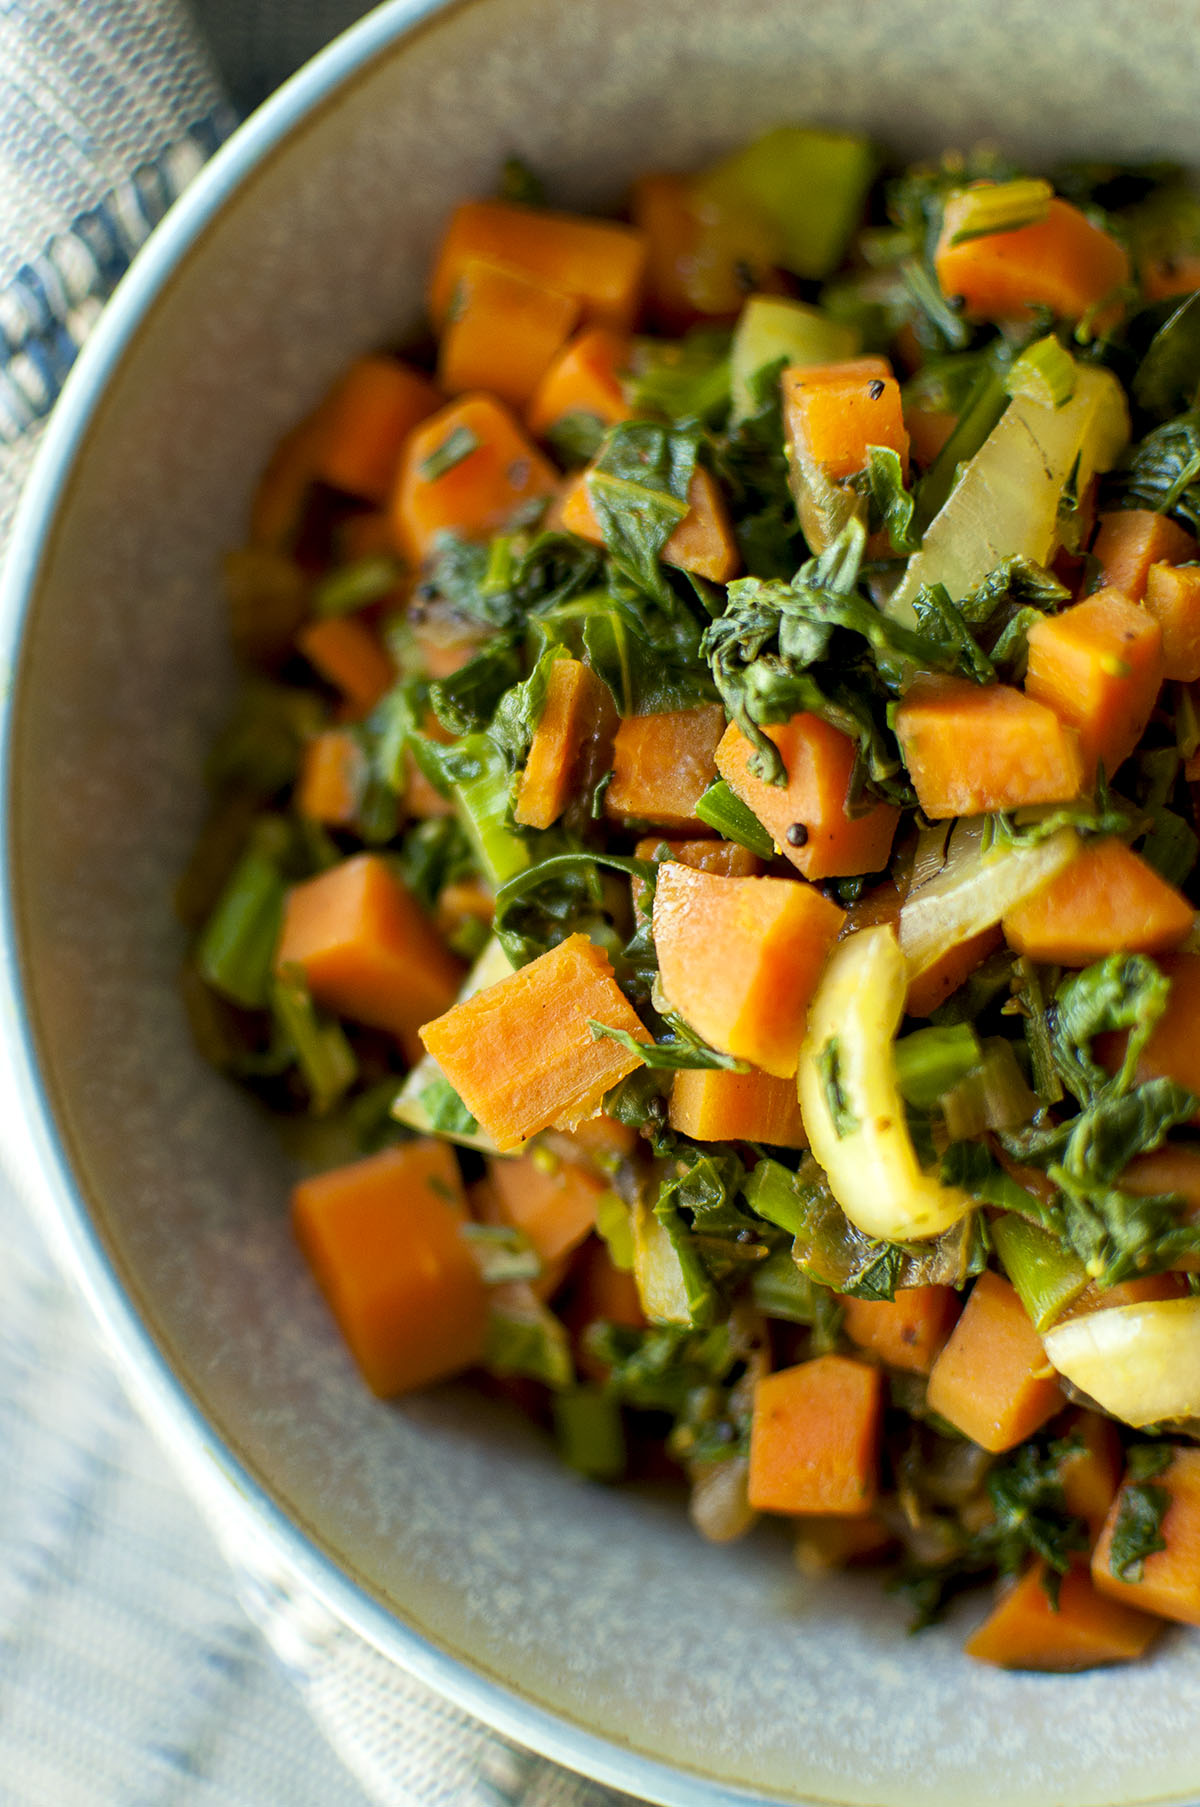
(1138, 1530)
(457, 445)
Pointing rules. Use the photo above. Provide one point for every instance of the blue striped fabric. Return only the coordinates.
(129, 1677)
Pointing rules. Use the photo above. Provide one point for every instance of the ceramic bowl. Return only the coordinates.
(589, 1624)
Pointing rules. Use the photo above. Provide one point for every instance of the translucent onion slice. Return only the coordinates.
(974, 889)
(852, 1110)
(1140, 1362)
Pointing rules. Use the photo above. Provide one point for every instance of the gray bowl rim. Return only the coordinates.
(164, 1397)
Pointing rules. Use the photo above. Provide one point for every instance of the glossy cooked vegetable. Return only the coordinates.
(710, 841)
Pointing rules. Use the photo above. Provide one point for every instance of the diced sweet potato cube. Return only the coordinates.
(468, 469)
(1107, 900)
(504, 332)
(992, 1380)
(739, 959)
(1173, 598)
(972, 748)
(712, 1105)
(366, 949)
(814, 1438)
(1130, 540)
(599, 262)
(807, 817)
(1025, 1630)
(552, 1201)
(384, 1240)
(908, 1331)
(1099, 666)
(663, 764)
(583, 379)
(521, 1054)
(578, 710)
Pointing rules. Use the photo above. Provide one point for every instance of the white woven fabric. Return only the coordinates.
(128, 1677)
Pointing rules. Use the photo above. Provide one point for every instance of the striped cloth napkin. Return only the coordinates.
(127, 1674)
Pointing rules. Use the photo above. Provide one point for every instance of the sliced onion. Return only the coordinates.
(974, 889)
(1140, 1362)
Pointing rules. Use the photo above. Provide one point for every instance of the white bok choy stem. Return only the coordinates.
(852, 1109)
(1140, 1362)
(1006, 501)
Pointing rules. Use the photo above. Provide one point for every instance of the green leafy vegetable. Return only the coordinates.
(1138, 1530)
(775, 652)
(1162, 472)
(639, 492)
(324, 1056)
(687, 1053)
(722, 811)
(524, 1337)
(829, 1067)
(681, 379)
(1168, 377)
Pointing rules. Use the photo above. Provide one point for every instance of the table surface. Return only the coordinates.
(129, 1673)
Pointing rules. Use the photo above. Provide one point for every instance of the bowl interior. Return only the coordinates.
(599, 1611)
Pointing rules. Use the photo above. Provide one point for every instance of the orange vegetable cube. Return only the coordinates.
(814, 1438)
(663, 764)
(366, 949)
(1173, 598)
(1173, 1050)
(1062, 262)
(739, 959)
(1170, 1581)
(1091, 1474)
(992, 1380)
(467, 469)
(598, 262)
(928, 431)
(603, 1136)
(1107, 900)
(583, 379)
(807, 817)
(703, 542)
(1026, 1631)
(712, 1105)
(1130, 540)
(333, 769)
(503, 332)
(553, 1201)
(579, 711)
(970, 748)
(1099, 666)
(521, 1055)
(366, 419)
(952, 969)
(725, 857)
(384, 1240)
(832, 413)
(702, 260)
(909, 1331)
(348, 653)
